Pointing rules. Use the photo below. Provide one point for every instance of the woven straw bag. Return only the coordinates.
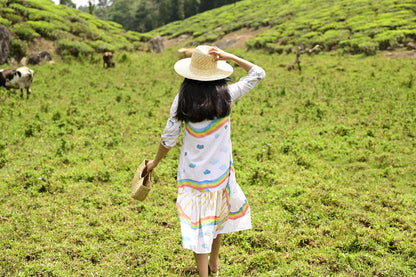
(141, 184)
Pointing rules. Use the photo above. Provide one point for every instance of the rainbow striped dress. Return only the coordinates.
(209, 202)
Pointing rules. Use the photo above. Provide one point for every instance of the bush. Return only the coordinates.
(331, 38)
(102, 46)
(40, 15)
(25, 32)
(5, 22)
(19, 48)
(11, 16)
(133, 36)
(43, 28)
(391, 38)
(75, 48)
(357, 45)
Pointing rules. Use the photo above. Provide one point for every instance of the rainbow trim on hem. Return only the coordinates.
(217, 221)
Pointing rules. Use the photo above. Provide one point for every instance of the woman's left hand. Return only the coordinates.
(151, 165)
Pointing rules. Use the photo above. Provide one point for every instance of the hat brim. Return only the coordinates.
(183, 67)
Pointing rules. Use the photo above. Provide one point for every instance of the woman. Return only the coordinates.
(210, 202)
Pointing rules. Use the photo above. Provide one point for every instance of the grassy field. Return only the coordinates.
(325, 156)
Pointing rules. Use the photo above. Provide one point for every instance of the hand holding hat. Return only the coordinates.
(205, 65)
(219, 55)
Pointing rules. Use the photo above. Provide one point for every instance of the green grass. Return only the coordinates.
(325, 157)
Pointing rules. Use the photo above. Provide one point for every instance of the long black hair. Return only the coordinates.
(203, 100)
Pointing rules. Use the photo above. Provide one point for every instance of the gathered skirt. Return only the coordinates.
(204, 215)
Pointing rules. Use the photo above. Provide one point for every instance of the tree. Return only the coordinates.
(123, 12)
(191, 7)
(91, 6)
(104, 3)
(146, 17)
(68, 3)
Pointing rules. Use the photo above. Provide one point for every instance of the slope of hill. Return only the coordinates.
(74, 32)
(351, 25)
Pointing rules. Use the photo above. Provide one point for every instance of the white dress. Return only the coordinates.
(210, 202)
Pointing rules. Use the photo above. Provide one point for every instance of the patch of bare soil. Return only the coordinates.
(235, 39)
(238, 39)
(41, 44)
(400, 54)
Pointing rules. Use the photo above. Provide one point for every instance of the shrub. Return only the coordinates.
(390, 38)
(44, 28)
(19, 48)
(361, 44)
(133, 36)
(20, 8)
(40, 15)
(102, 46)
(261, 41)
(5, 22)
(10, 15)
(75, 48)
(331, 38)
(78, 28)
(25, 32)
(331, 26)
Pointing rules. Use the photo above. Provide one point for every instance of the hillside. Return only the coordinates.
(354, 26)
(349, 26)
(73, 32)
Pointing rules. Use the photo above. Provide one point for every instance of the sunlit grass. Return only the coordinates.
(325, 157)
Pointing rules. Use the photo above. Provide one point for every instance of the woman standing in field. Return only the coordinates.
(210, 202)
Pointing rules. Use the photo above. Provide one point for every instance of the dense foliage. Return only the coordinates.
(325, 157)
(146, 15)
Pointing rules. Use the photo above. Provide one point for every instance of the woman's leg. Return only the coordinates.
(214, 258)
(202, 264)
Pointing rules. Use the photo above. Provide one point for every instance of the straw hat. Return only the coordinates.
(141, 184)
(202, 67)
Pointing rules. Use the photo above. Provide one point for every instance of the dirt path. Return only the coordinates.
(235, 39)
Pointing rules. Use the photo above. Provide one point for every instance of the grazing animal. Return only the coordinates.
(17, 78)
(108, 60)
(185, 53)
(295, 64)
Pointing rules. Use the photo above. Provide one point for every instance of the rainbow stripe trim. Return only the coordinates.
(214, 220)
(211, 128)
(240, 212)
(206, 221)
(206, 185)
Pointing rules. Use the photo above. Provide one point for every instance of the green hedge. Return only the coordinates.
(25, 31)
(75, 48)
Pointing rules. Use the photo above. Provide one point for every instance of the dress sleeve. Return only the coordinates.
(173, 127)
(247, 83)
